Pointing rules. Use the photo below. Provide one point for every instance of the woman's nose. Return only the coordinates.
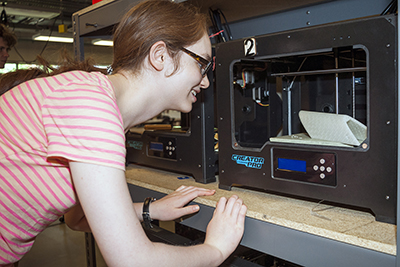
(205, 83)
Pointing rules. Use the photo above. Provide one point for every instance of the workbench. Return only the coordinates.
(303, 232)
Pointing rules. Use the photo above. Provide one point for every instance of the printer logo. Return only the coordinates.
(135, 144)
(249, 161)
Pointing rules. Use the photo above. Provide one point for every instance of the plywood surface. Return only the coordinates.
(348, 226)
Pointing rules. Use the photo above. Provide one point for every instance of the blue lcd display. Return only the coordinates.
(156, 146)
(292, 165)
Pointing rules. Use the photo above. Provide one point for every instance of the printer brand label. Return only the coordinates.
(249, 161)
(135, 144)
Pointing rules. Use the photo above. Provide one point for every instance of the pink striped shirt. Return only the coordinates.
(44, 123)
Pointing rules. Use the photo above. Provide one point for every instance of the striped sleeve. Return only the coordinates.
(82, 123)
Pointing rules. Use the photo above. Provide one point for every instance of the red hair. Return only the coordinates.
(176, 24)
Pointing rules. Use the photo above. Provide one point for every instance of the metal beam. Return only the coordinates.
(309, 16)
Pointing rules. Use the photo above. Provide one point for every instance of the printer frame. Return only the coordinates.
(362, 177)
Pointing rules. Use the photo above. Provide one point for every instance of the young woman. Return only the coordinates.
(62, 147)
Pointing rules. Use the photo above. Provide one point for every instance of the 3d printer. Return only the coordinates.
(312, 113)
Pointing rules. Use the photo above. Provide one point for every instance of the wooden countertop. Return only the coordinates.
(344, 225)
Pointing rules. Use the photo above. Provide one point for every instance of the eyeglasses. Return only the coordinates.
(205, 65)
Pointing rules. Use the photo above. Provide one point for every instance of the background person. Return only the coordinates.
(7, 41)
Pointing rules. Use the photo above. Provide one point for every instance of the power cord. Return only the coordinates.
(222, 31)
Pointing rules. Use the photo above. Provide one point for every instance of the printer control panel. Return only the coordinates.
(304, 166)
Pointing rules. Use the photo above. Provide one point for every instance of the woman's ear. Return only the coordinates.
(158, 55)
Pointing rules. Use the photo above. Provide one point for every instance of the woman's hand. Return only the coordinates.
(226, 227)
(173, 206)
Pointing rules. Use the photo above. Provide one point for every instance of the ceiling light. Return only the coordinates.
(103, 42)
(58, 39)
(30, 13)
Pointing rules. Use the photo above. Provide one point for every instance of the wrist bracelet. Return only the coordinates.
(146, 214)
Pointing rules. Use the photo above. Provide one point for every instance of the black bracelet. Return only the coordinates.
(146, 214)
